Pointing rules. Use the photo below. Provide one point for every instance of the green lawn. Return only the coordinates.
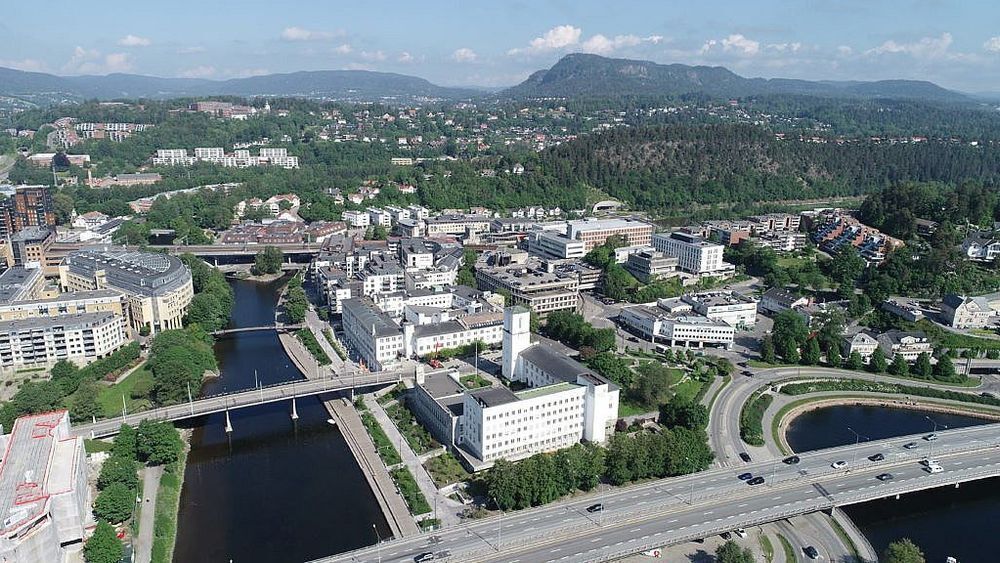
(411, 492)
(416, 435)
(689, 389)
(786, 546)
(627, 408)
(474, 381)
(94, 446)
(385, 448)
(445, 469)
(110, 397)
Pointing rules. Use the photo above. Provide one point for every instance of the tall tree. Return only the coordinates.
(903, 551)
(103, 546)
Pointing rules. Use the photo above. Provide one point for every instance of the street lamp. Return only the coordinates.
(378, 543)
(691, 491)
(935, 423)
(857, 440)
(500, 526)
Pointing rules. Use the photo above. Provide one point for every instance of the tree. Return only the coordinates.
(811, 355)
(767, 350)
(877, 364)
(855, 361)
(652, 386)
(833, 358)
(923, 368)
(118, 469)
(125, 443)
(114, 503)
(296, 305)
(268, 260)
(158, 443)
(944, 369)
(103, 546)
(680, 412)
(83, 403)
(899, 366)
(789, 333)
(903, 551)
(731, 552)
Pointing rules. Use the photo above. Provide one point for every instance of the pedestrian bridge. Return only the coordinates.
(278, 327)
(225, 402)
(679, 509)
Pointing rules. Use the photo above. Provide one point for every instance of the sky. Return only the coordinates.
(955, 43)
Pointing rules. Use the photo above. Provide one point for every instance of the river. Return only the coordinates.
(274, 490)
(943, 522)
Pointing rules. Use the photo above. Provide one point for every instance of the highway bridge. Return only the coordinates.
(263, 328)
(680, 509)
(286, 391)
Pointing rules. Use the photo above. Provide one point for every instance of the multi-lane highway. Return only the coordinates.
(684, 508)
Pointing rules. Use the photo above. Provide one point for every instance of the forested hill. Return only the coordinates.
(673, 167)
(583, 75)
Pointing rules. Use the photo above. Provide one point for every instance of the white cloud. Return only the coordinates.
(298, 34)
(464, 55)
(248, 72)
(845, 51)
(556, 38)
(602, 45)
(134, 41)
(190, 50)
(91, 61)
(785, 47)
(203, 71)
(735, 43)
(992, 44)
(30, 65)
(373, 55)
(925, 48)
(344, 49)
(405, 57)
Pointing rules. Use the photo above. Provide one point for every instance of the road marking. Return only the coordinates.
(556, 549)
(742, 505)
(595, 540)
(634, 530)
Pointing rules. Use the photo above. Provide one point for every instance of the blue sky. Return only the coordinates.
(498, 43)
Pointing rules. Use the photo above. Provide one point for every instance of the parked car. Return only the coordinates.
(740, 532)
(595, 508)
(745, 457)
(884, 476)
(839, 464)
(745, 476)
(792, 460)
(726, 535)
(876, 457)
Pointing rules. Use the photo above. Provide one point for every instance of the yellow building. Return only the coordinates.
(95, 301)
(157, 286)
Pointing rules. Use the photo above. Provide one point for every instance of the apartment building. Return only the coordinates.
(594, 232)
(374, 335)
(649, 266)
(694, 254)
(96, 301)
(455, 224)
(43, 490)
(908, 344)
(20, 284)
(158, 286)
(678, 327)
(736, 310)
(959, 311)
(78, 337)
(30, 206)
(540, 290)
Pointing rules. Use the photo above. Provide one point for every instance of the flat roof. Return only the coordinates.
(493, 396)
(555, 364)
(70, 321)
(536, 392)
(439, 384)
(13, 282)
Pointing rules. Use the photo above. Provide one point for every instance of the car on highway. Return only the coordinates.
(791, 460)
(425, 556)
(811, 552)
(756, 481)
(745, 457)
(928, 461)
(745, 476)
(876, 457)
(595, 508)
(839, 464)
(911, 445)
(884, 476)
(931, 437)
(933, 468)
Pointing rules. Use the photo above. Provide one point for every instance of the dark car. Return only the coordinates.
(699, 540)
(748, 373)
(745, 476)
(876, 457)
(595, 508)
(884, 476)
(792, 460)
(910, 445)
(425, 556)
(756, 481)
(745, 457)
(811, 552)
(725, 535)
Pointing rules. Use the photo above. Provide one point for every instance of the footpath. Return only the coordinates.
(392, 504)
(147, 513)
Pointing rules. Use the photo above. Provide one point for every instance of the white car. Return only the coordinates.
(931, 437)
(934, 468)
(839, 464)
(740, 532)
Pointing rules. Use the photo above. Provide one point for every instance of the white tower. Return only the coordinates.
(516, 337)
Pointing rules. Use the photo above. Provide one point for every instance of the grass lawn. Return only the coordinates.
(386, 451)
(627, 408)
(474, 381)
(168, 500)
(688, 390)
(445, 469)
(786, 546)
(110, 397)
(411, 492)
(416, 435)
(94, 446)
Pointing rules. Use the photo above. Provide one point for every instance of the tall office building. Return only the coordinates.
(30, 206)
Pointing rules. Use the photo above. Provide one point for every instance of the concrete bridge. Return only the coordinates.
(264, 328)
(679, 509)
(225, 402)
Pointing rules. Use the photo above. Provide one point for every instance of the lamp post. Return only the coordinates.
(378, 543)
(691, 490)
(934, 422)
(500, 526)
(857, 440)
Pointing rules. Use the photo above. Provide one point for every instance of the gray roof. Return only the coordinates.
(556, 364)
(439, 384)
(74, 321)
(14, 282)
(370, 317)
(31, 234)
(74, 296)
(142, 273)
(436, 329)
(493, 396)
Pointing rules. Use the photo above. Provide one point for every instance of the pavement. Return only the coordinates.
(147, 514)
(446, 509)
(676, 510)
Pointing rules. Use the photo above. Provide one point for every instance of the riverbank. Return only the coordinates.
(168, 498)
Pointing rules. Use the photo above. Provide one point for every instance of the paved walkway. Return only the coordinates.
(147, 514)
(447, 509)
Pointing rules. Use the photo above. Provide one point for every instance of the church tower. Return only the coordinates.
(516, 337)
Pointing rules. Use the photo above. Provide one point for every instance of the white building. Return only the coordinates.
(553, 244)
(379, 217)
(43, 490)
(863, 343)
(734, 309)
(79, 337)
(962, 312)
(678, 327)
(372, 333)
(356, 218)
(421, 340)
(908, 344)
(694, 254)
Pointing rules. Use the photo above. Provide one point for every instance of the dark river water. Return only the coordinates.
(944, 522)
(273, 490)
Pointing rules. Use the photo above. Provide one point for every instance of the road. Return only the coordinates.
(147, 513)
(679, 509)
(724, 421)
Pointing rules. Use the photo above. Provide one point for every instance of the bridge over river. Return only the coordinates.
(679, 509)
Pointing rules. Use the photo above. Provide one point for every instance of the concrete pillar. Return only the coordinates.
(229, 423)
(295, 412)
